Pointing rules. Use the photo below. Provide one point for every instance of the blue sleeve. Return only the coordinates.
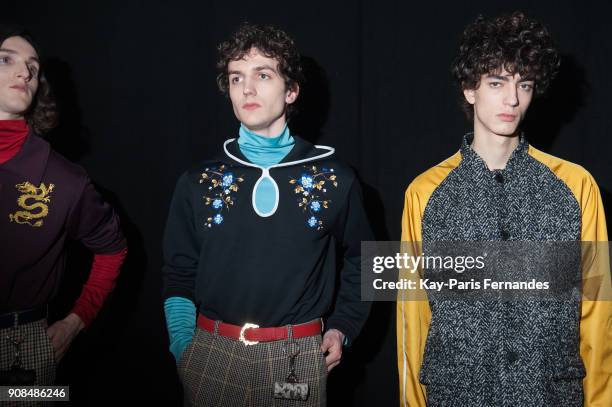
(181, 322)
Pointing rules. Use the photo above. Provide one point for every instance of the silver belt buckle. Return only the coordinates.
(244, 328)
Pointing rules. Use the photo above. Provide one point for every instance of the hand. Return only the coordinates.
(332, 345)
(63, 332)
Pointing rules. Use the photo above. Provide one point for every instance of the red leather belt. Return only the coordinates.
(250, 334)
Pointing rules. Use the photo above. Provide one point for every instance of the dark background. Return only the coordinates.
(136, 82)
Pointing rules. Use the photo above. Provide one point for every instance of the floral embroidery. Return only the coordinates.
(222, 184)
(311, 187)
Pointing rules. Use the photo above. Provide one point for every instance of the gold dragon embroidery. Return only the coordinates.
(40, 195)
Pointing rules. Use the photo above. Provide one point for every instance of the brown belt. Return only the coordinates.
(251, 334)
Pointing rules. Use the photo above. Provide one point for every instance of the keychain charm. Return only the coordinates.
(291, 389)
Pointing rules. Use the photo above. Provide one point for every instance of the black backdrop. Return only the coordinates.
(136, 82)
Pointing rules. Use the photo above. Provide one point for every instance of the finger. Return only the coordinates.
(332, 357)
(60, 355)
(61, 351)
(327, 343)
(330, 367)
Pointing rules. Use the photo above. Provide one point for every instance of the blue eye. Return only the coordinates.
(4, 60)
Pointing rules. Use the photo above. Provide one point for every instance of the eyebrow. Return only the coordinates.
(499, 77)
(10, 51)
(506, 78)
(258, 68)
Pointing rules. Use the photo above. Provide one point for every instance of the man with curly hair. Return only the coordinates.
(45, 200)
(500, 188)
(252, 243)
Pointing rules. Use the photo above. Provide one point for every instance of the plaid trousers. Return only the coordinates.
(36, 353)
(223, 372)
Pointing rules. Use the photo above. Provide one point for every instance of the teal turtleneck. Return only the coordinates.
(265, 152)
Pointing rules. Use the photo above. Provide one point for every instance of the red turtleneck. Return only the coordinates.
(12, 135)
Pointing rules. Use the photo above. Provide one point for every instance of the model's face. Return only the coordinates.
(258, 93)
(500, 103)
(19, 68)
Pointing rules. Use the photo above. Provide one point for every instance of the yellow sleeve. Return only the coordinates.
(413, 317)
(596, 315)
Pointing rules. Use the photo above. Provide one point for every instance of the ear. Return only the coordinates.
(470, 95)
(292, 94)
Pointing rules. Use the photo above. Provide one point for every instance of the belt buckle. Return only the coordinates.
(244, 328)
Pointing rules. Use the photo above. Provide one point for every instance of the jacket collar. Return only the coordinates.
(475, 164)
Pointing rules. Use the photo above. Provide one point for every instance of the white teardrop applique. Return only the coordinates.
(265, 194)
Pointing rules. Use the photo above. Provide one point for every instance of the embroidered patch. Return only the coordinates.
(221, 185)
(33, 212)
(311, 186)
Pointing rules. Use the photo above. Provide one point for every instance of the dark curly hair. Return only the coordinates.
(272, 43)
(42, 114)
(512, 42)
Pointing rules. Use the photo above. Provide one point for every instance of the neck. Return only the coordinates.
(274, 129)
(10, 116)
(495, 150)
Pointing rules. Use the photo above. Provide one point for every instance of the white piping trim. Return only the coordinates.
(265, 173)
(403, 392)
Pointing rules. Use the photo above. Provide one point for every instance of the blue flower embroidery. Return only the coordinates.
(311, 188)
(306, 182)
(312, 221)
(222, 186)
(228, 179)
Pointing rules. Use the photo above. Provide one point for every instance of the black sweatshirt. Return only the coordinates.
(239, 266)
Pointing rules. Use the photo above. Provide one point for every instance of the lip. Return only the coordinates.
(505, 117)
(20, 88)
(251, 106)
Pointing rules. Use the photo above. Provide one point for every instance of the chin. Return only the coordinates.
(251, 125)
(18, 109)
(505, 131)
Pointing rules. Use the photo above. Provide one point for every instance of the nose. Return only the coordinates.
(249, 87)
(23, 71)
(511, 97)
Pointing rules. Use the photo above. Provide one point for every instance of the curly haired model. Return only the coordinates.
(514, 43)
(271, 42)
(499, 188)
(264, 192)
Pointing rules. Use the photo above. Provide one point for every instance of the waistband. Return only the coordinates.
(17, 318)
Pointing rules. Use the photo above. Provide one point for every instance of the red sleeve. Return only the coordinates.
(101, 281)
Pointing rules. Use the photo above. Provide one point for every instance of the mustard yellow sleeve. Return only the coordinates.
(596, 315)
(413, 317)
